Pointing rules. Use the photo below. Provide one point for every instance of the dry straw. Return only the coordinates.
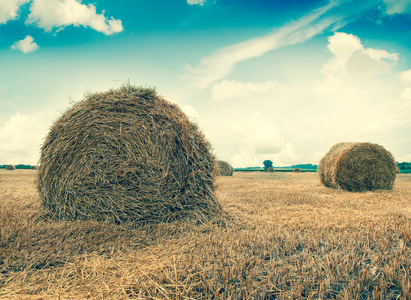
(270, 169)
(127, 155)
(10, 167)
(358, 167)
(225, 168)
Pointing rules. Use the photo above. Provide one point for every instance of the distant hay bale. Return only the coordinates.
(127, 155)
(297, 170)
(358, 167)
(270, 169)
(34, 167)
(225, 168)
(397, 170)
(10, 167)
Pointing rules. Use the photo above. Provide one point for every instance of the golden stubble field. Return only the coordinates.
(285, 236)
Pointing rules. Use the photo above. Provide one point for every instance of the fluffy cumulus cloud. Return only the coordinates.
(26, 45)
(196, 2)
(232, 89)
(397, 6)
(20, 139)
(9, 9)
(300, 119)
(349, 55)
(57, 14)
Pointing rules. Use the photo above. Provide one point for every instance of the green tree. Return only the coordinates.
(267, 163)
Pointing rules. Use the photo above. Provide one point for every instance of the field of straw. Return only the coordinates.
(286, 237)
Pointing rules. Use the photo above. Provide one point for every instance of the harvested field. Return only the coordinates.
(287, 237)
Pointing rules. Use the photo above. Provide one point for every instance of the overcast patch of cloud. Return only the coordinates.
(56, 14)
(20, 139)
(26, 45)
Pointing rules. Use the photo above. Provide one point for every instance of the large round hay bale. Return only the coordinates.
(225, 168)
(126, 155)
(10, 167)
(358, 167)
(270, 169)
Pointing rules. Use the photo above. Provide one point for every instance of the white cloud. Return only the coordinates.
(198, 2)
(301, 118)
(220, 63)
(233, 89)
(246, 139)
(397, 6)
(20, 139)
(349, 55)
(57, 14)
(405, 77)
(9, 9)
(26, 45)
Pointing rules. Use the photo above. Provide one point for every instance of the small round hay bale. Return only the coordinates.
(10, 167)
(127, 155)
(297, 170)
(34, 167)
(225, 168)
(358, 167)
(270, 169)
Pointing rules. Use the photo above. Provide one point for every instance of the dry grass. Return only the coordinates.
(288, 237)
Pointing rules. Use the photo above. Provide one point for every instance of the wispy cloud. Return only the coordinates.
(196, 2)
(397, 6)
(26, 45)
(220, 63)
(232, 89)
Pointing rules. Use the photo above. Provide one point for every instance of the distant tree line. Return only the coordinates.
(19, 166)
(404, 165)
(305, 166)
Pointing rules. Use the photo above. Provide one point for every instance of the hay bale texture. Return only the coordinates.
(270, 169)
(226, 169)
(10, 167)
(126, 155)
(358, 167)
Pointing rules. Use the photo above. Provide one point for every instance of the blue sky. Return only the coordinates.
(279, 80)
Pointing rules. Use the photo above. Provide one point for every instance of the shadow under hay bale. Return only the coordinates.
(127, 155)
(10, 167)
(270, 169)
(225, 168)
(358, 167)
(297, 170)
